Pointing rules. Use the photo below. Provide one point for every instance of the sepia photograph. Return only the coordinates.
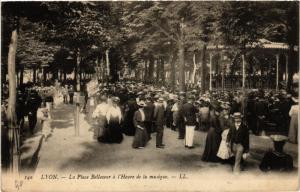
(149, 96)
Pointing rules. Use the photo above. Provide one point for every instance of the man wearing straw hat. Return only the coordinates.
(238, 140)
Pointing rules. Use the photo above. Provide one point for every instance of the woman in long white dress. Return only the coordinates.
(293, 130)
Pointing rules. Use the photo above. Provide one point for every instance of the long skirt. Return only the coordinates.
(140, 138)
(112, 133)
(212, 144)
(99, 126)
(293, 130)
(128, 126)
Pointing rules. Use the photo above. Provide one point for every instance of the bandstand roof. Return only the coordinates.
(261, 44)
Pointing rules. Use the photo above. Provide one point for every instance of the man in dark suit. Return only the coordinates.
(32, 104)
(189, 114)
(238, 140)
(159, 112)
(180, 117)
(149, 111)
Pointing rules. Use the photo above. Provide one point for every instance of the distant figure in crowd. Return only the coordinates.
(277, 159)
(174, 111)
(141, 135)
(204, 115)
(180, 116)
(100, 115)
(71, 93)
(293, 130)
(130, 108)
(149, 112)
(113, 133)
(65, 93)
(189, 113)
(238, 141)
(159, 112)
(33, 103)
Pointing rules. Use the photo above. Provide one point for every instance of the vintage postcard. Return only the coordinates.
(149, 96)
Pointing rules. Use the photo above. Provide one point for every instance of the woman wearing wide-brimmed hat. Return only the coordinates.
(141, 136)
(293, 130)
(213, 137)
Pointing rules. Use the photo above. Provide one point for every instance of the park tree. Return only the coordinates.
(180, 23)
(281, 24)
(12, 12)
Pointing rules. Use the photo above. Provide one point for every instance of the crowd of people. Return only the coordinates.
(141, 111)
(228, 117)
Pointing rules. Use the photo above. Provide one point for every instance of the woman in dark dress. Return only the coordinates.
(130, 108)
(113, 132)
(213, 138)
(141, 136)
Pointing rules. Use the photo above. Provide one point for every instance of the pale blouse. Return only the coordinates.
(114, 112)
(100, 110)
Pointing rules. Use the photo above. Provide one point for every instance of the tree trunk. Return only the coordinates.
(157, 71)
(150, 69)
(203, 70)
(34, 75)
(162, 71)
(107, 65)
(77, 71)
(65, 76)
(21, 76)
(173, 71)
(146, 71)
(61, 75)
(181, 66)
(44, 76)
(194, 69)
(11, 113)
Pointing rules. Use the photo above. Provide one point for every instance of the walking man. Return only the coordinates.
(189, 114)
(159, 112)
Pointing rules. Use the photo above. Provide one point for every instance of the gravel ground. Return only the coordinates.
(68, 154)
